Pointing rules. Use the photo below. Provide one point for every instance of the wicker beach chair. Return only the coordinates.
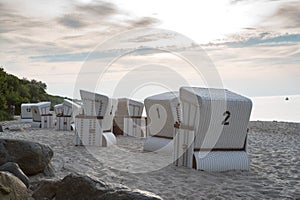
(93, 128)
(41, 116)
(128, 119)
(163, 111)
(219, 119)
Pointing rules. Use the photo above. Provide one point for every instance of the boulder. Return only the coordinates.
(16, 171)
(32, 157)
(12, 188)
(49, 171)
(15, 129)
(76, 186)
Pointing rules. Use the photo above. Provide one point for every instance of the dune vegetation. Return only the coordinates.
(15, 91)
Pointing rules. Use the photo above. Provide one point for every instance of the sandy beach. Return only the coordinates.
(273, 151)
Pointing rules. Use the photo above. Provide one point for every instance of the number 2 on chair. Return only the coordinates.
(225, 121)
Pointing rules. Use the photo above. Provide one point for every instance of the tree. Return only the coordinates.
(15, 91)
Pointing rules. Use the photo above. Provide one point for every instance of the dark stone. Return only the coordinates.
(32, 157)
(49, 171)
(15, 170)
(15, 129)
(46, 189)
(11, 187)
(1, 129)
(75, 186)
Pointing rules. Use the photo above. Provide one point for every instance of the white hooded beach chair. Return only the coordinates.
(65, 116)
(97, 118)
(93, 104)
(71, 109)
(219, 119)
(59, 109)
(163, 111)
(41, 116)
(128, 119)
(129, 107)
(26, 112)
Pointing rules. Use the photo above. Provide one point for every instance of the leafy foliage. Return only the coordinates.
(15, 91)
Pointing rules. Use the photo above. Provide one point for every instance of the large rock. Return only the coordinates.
(74, 187)
(49, 171)
(12, 188)
(15, 170)
(32, 157)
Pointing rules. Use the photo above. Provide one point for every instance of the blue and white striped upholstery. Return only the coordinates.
(206, 109)
(217, 161)
(220, 119)
(94, 104)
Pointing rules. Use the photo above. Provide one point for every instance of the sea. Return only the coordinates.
(276, 108)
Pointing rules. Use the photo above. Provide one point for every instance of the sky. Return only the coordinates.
(253, 46)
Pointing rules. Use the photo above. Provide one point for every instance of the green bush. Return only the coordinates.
(15, 91)
(4, 116)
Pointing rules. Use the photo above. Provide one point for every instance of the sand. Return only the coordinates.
(274, 152)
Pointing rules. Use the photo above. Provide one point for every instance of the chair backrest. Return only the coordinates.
(218, 116)
(107, 122)
(69, 107)
(59, 109)
(94, 104)
(38, 109)
(26, 112)
(129, 107)
(78, 109)
(163, 111)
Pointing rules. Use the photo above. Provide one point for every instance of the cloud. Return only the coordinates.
(61, 57)
(264, 39)
(82, 56)
(74, 57)
(258, 69)
(11, 21)
(101, 9)
(71, 21)
(280, 28)
(286, 17)
(68, 35)
(150, 37)
(102, 14)
(60, 43)
(262, 57)
(249, 1)
(143, 22)
(83, 15)
(236, 1)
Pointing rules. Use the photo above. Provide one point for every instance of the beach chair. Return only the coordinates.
(26, 112)
(65, 115)
(128, 119)
(41, 116)
(163, 111)
(58, 109)
(92, 127)
(219, 119)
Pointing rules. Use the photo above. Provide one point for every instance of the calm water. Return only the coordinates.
(276, 108)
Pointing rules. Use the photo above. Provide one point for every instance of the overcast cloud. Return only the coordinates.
(50, 41)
